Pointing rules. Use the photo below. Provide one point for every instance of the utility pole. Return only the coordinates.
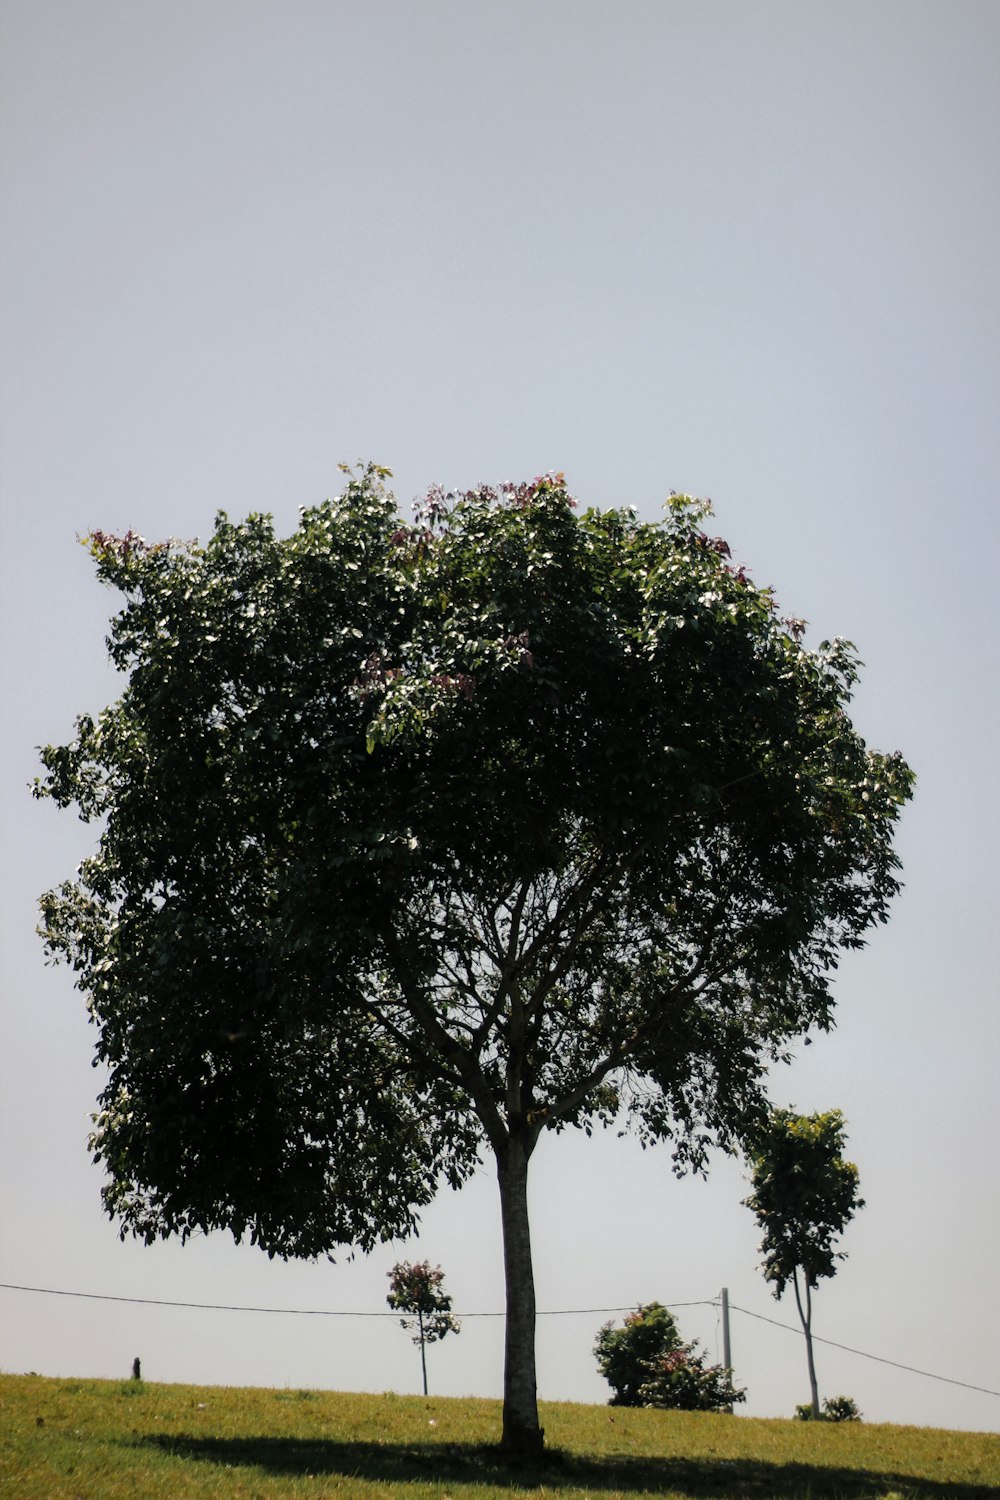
(727, 1353)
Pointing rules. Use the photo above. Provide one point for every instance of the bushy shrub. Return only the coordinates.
(841, 1409)
(835, 1409)
(647, 1364)
(625, 1355)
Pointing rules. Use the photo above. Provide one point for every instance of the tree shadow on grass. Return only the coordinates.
(467, 1463)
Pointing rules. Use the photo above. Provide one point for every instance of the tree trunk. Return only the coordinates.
(521, 1433)
(423, 1348)
(806, 1318)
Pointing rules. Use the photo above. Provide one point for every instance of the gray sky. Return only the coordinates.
(744, 250)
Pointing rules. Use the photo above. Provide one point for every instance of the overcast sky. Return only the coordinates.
(747, 250)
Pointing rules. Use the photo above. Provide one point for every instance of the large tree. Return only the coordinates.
(804, 1196)
(420, 840)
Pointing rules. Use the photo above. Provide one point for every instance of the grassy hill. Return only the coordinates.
(108, 1440)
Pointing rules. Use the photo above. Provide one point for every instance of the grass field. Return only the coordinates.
(108, 1440)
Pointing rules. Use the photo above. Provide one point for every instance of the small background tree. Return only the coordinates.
(646, 1363)
(804, 1194)
(417, 1290)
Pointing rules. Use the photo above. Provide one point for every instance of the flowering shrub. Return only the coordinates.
(647, 1364)
(682, 1381)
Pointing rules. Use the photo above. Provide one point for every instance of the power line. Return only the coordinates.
(928, 1374)
(556, 1312)
(310, 1312)
(303, 1312)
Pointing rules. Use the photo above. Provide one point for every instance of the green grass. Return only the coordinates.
(125, 1440)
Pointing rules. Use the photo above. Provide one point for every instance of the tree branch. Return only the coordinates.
(466, 1064)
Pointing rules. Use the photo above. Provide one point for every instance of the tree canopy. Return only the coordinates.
(417, 840)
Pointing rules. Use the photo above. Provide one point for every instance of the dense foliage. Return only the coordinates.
(647, 1364)
(418, 840)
